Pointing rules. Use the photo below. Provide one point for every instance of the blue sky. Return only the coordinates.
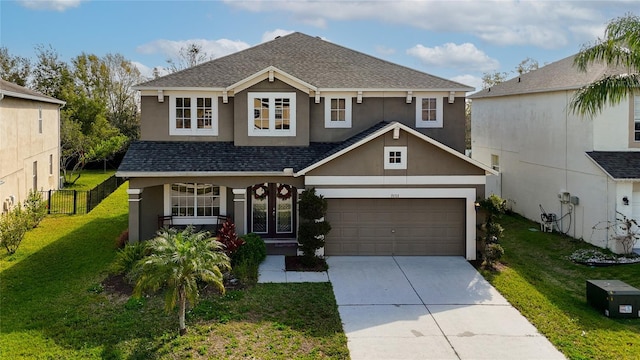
(458, 40)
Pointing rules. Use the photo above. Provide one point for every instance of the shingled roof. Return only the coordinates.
(17, 91)
(310, 59)
(557, 76)
(619, 165)
(198, 156)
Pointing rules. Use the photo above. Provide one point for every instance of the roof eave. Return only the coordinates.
(32, 97)
(155, 174)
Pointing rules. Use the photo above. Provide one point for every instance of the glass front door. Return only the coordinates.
(272, 210)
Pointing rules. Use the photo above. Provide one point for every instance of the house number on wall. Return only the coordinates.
(395, 196)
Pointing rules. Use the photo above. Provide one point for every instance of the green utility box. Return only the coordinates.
(614, 298)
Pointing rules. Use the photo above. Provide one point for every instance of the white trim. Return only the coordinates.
(134, 191)
(469, 194)
(193, 130)
(31, 97)
(239, 191)
(271, 72)
(135, 200)
(402, 165)
(438, 123)
(388, 128)
(396, 180)
(272, 119)
(184, 220)
(347, 112)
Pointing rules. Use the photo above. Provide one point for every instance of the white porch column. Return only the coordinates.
(240, 210)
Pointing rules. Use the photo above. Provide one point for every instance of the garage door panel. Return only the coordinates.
(396, 227)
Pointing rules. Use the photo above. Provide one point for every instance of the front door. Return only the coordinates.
(272, 210)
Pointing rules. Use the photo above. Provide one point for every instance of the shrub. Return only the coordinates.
(13, 225)
(313, 228)
(229, 238)
(246, 271)
(127, 258)
(492, 253)
(122, 239)
(35, 208)
(253, 251)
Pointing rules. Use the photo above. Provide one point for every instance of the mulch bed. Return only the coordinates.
(117, 284)
(297, 263)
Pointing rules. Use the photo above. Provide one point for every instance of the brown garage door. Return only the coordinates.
(396, 227)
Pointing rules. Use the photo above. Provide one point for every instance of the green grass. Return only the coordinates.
(550, 291)
(53, 305)
(90, 179)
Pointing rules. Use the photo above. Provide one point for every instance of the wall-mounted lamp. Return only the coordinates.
(625, 200)
(476, 205)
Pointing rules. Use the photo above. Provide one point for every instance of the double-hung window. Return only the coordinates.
(429, 112)
(272, 114)
(193, 115)
(194, 201)
(337, 112)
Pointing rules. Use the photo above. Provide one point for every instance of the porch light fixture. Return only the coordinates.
(476, 205)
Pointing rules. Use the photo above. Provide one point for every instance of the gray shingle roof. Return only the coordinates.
(14, 90)
(199, 156)
(618, 164)
(559, 75)
(310, 59)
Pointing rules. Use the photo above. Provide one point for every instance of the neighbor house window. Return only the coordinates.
(50, 164)
(495, 162)
(429, 112)
(195, 200)
(35, 176)
(193, 115)
(40, 121)
(337, 112)
(395, 157)
(272, 114)
(636, 118)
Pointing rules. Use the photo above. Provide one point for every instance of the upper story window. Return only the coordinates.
(395, 157)
(40, 121)
(193, 115)
(337, 112)
(429, 112)
(272, 114)
(636, 118)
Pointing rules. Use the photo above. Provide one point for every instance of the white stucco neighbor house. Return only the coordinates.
(585, 171)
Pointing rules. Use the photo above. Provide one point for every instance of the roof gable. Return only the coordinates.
(311, 60)
(17, 91)
(390, 127)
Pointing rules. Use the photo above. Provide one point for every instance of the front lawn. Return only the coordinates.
(550, 290)
(54, 305)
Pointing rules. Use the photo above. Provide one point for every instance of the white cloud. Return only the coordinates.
(270, 35)
(464, 56)
(57, 5)
(213, 48)
(545, 24)
(384, 51)
(470, 80)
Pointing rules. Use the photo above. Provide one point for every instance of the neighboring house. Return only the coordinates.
(29, 143)
(583, 170)
(243, 135)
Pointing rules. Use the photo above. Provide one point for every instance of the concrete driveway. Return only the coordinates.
(416, 307)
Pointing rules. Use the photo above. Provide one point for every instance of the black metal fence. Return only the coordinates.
(79, 201)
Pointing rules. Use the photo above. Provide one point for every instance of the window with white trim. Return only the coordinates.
(271, 114)
(193, 115)
(395, 157)
(40, 120)
(337, 112)
(429, 112)
(194, 200)
(636, 118)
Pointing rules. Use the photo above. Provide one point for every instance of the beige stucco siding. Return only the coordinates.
(22, 145)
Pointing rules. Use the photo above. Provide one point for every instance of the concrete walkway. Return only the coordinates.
(418, 307)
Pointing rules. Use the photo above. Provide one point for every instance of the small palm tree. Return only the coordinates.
(619, 48)
(177, 261)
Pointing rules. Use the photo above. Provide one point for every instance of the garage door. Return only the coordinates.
(396, 227)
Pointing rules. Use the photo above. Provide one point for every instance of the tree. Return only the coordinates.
(313, 228)
(122, 99)
(527, 65)
(189, 55)
(50, 74)
(620, 48)
(494, 78)
(13, 225)
(178, 260)
(14, 69)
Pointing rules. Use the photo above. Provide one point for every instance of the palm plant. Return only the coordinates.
(178, 260)
(619, 48)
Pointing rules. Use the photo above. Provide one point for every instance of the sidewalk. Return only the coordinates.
(272, 270)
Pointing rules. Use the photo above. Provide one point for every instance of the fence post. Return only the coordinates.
(75, 198)
(49, 203)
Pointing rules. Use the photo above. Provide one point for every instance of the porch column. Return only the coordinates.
(135, 197)
(240, 210)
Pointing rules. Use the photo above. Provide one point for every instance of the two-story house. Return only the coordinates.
(244, 134)
(29, 143)
(585, 171)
